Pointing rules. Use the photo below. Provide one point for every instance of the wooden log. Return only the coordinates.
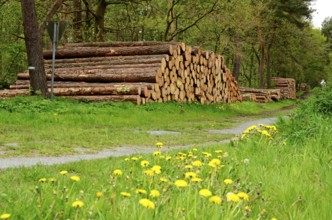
(107, 67)
(136, 99)
(12, 93)
(121, 44)
(100, 77)
(112, 59)
(107, 51)
(100, 90)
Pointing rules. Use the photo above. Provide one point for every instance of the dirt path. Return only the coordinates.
(120, 151)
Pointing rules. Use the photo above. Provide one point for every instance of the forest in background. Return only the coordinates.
(258, 38)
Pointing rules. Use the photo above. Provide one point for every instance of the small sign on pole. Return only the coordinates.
(55, 29)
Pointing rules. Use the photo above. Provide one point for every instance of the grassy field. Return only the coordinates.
(281, 172)
(35, 126)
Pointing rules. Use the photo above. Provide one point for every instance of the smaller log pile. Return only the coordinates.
(287, 87)
(260, 95)
(139, 72)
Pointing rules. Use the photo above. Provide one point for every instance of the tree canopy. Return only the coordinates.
(258, 38)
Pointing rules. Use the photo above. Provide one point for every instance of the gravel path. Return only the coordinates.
(120, 151)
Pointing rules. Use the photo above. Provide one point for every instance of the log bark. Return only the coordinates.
(111, 60)
(101, 77)
(107, 51)
(121, 44)
(136, 99)
(100, 90)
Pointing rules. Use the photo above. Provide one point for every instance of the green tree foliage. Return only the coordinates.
(327, 30)
(12, 48)
(259, 39)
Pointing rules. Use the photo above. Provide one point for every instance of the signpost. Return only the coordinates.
(55, 29)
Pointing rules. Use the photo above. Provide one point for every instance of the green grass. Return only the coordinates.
(35, 126)
(282, 180)
(287, 176)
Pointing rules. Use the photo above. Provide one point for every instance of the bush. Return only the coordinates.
(312, 119)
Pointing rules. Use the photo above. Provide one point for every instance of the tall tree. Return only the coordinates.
(34, 47)
(327, 30)
(33, 40)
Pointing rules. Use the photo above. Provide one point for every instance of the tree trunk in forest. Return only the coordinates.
(237, 61)
(100, 20)
(34, 47)
(261, 60)
(268, 62)
(77, 21)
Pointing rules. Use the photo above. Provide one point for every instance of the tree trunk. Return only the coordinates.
(261, 60)
(100, 20)
(34, 48)
(77, 21)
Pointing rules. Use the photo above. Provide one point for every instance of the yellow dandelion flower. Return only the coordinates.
(181, 183)
(214, 163)
(63, 172)
(77, 204)
(181, 157)
(197, 163)
(125, 194)
(127, 159)
(190, 175)
(205, 193)
(144, 163)
(52, 180)
(140, 191)
(134, 158)
(5, 216)
(99, 194)
(117, 172)
(243, 196)
(207, 154)
(196, 180)
(156, 169)
(218, 151)
(215, 200)
(154, 193)
(75, 178)
(168, 158)
(159, 145)
(164, 180)
(189, 167)
(42, 180)
(228, 181)
(265, 132)
(232, 197)
(273, 218)
(247, 209)
(156, 153)
(195, 149)
(149, 172)
(147, 203)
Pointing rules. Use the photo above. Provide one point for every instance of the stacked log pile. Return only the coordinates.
(260, 95)
(287, 87)
(139, 72)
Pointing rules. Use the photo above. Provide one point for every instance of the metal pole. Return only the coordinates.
(53, 58)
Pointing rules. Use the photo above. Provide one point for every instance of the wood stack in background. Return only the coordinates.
(287, 87)
(139, 72)
(260, 95)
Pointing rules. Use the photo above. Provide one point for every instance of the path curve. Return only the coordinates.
(13, 162)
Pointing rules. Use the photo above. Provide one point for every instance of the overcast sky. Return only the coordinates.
(323, 10)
